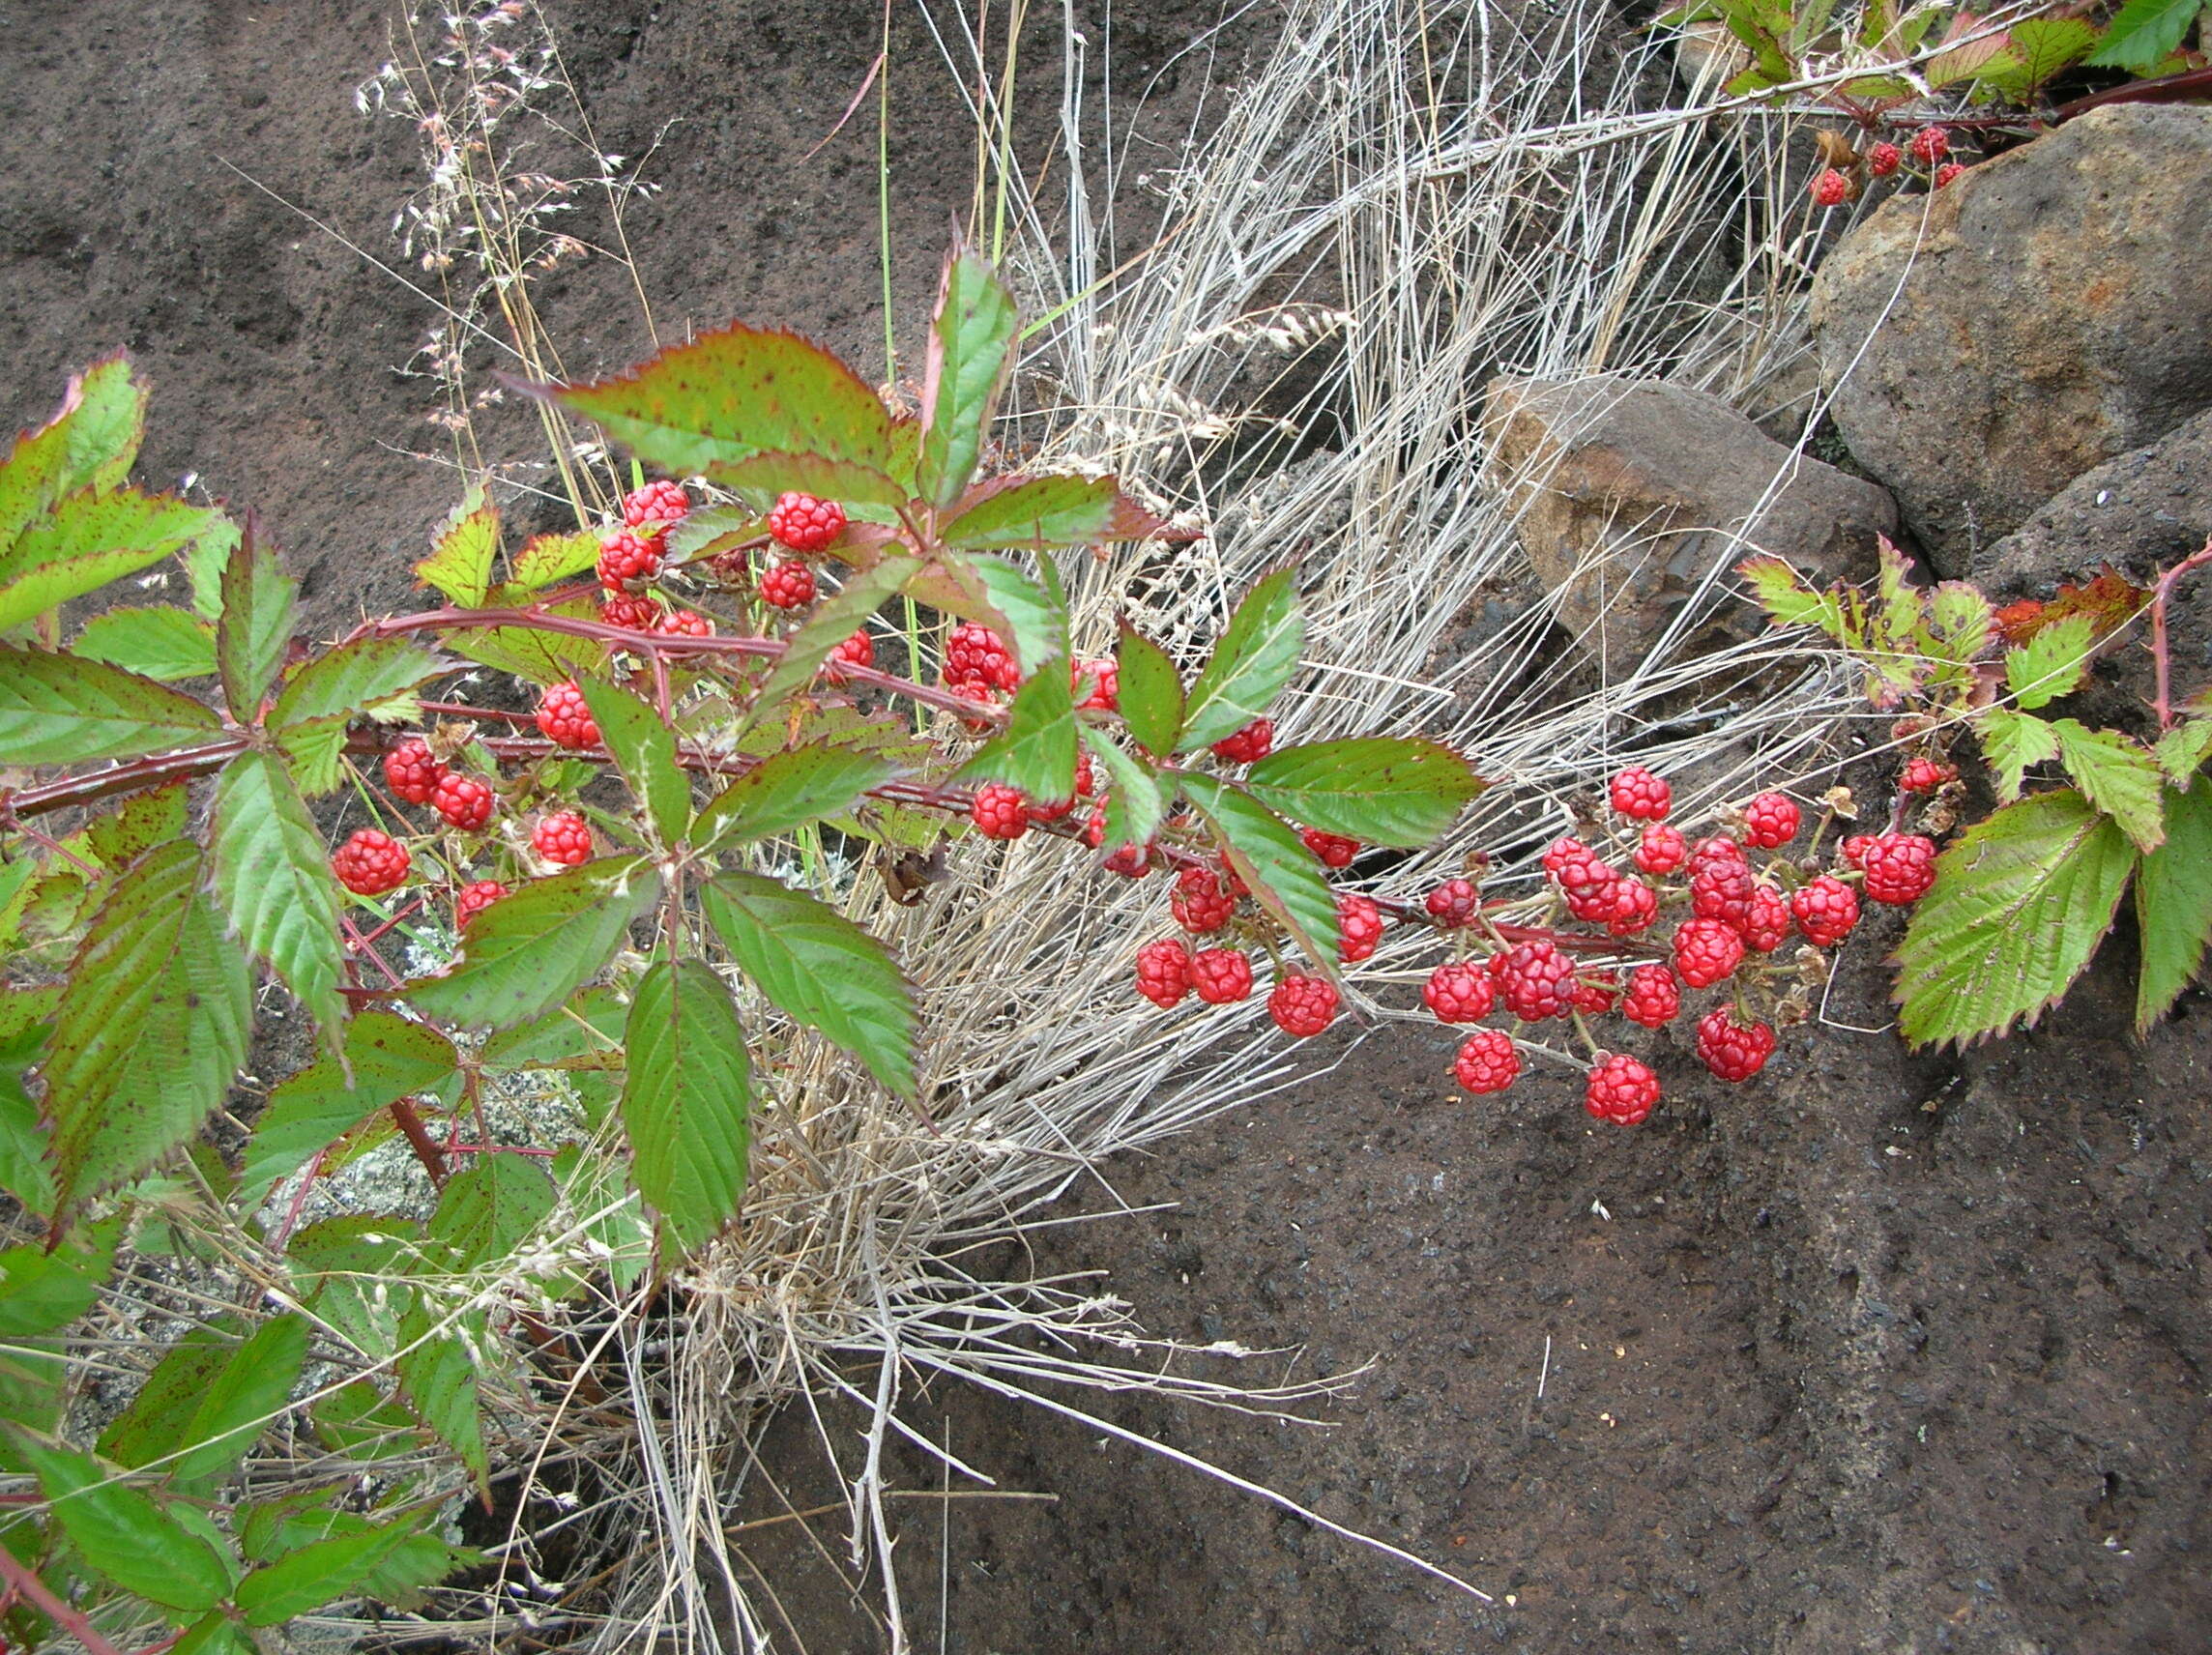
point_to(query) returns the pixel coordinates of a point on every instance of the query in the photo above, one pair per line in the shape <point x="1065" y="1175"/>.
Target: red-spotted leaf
<point x="686" y="1101"/>
<point x="61" y="709"/>
<point x="1151" y="691"/>
<point x="87" y="540"/>
<point x="528" y="951"/>
<point x="123" y="1535"/>
<point x="1256" y="657"/>
<point x="1268" y="854"/>
<point x="788" y="790"/>
<point x="165" y="644"/>
<point x="391" y="1057"/>
<point x="208" y="1398"/>
<point x="260" y="602"/>
<point x="467" y="547"/>
<point x="970" y="352"/>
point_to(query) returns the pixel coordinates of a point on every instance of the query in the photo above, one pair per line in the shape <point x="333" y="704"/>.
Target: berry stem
<point x="418" y="1140"/>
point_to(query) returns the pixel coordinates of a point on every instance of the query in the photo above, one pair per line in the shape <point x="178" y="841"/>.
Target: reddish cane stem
<point x="70" y="1620"/>
<point x="2161" y="660"/>
<point x="418" y="1140"/>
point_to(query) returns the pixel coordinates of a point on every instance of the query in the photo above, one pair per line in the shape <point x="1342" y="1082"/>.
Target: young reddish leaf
<point x="1255" y="658"/>
<point x="1037" y="511"/>
<point x="1267" y="853"/>
<point x="150" y="1030"/>
<point x="391" y="1057"/>
<point x="123" y="1535"/>
<point x="1036" y="751"/>
<point x="2118" y="778"/>
<point x="260" y="602"/>
<point x="88" y="539"/>
<point x="165" y="644"/>
<point x="971" y="352"/>
<point x="1384" y="790"/>
<point x="60" y="710"/>
<point x="818" y="967"/>
<point x="271" y="875"/>
<point x="486" y="1210"/>
<point x="644" y="750"/>
<point x="2019" y="904"/>
<point x="832" y="622"/>
<point x="1151" y="691"/>
<point x="141" y="822"/>
<point x="208" y="1400"/>
<point x="862" y="490"/>
<point x="531" y="951"/>
<point x="466" y="548"/>
<point x="550" y="558"/>
<point x="786" y="790"/>
<point x="686" y="1103"/>
<point x="727" y="396"/>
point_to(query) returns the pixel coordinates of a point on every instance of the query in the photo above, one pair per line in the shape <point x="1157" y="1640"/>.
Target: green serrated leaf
<point x="2117" y="776"/>
<point x="273" y="878"/>
<point x="149" y="1031"/>
<point x="543" y="657"/>
<point x="1036" y="751"/>
<point x="686" y="1102"/>
<point x="208" y="1400"/>
<point x="832" y="622"/>
<point x="1134" y="799"/>
<point x="23" y="1172"/>
<point x="1150" y="691"/>
<point x="1036" y="511"/>
<point x="42" y="1290"/>
<point x="349" y="1271"/>
<point x="2019" y="903"/>
<point x="1256" y="657"/>
<point x="1784" y="594"/>
<point x="971" y="352"/>
<point x="2051" y="665"/>
<point x="87" y="540"/>
<point x="787" y="791"/>
<point x="486" y="1210"/>
<point x="123" y="1535"/>
<point x="818" y="967"/>
<point x="551" y="558"/>
<point x="2173" y="903"/>
<point x="644" y="750"/>
<point x="361" y="680"/>
<point x="2180" y="752"/>
<point x="1267" y="853"/>
<point x="313" y="750"/>
<point x="607" y="1212"/>
<point x="1959" y="623"/>
<point x="2014" y="743"/>
<point x="320" y="1572"/>
<point x="865" y="493"/>
<point x="215" y="1634"/>
<point x="2041" y="48"/>
<point x="391" y="1058"/>
<point x="532" y="949"/>
<point x="727" y="396"/>
<point x="163" y="644"/>
<point x="143" y="821"/>
<point x="360" y="1422"/>
<point x="1382" y="790"/>
<point x="710" y="528"/>
<point x="589" y="1027"/>
<point x="60" y="710"/>
<point x="2143" y="33"/>
<point x="88" y="443"/>
<point x="260" y="602"/>
<point x="464" y="551"/>
<point x="437" y="1368"/>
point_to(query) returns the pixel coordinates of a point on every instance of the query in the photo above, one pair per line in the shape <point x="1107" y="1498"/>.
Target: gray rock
<point x="2053" y="308"/>
<point x="1629" y="493"/>
<point x="2145" y="510"/>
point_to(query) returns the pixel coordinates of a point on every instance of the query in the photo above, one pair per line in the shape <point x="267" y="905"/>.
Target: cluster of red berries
<point x="414" y="773"/>
<point x="1165" y="970"/>
<point x="632" y="552"/>
<point x="1929" y="146"/>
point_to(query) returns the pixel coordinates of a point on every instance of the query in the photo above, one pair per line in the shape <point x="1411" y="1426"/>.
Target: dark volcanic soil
<point x="1874" y="1353"/>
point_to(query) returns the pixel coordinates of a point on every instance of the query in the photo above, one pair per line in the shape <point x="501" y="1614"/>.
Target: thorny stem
<point x="418" y="1140"/>
<point x="2160" y="659"/>
<point x="22" y="1580"/>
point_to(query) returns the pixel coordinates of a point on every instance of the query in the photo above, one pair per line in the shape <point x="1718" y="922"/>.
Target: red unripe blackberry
<point x="1634" y="907"/>
<point x="631" y="611"/>
<point x="464" y="801"/>
<point x="683" y="623"/>
<point x="1558" y="852"/>
<point x="857" y="651"/>
<point x="1534" y="980"/>
<point x="1899" y="867"/>
<point x="999" y="811"/>
<point x="655" y="506"/>
<point x="1825" y="909"/>
<point x="1097" y="686"/>
<point x="1454" y="902"/>
<point x="565" y="717"/>
<point x="1488" y="1061"/>
<point x="1706" y="950"/>
<point x="1883" y="158"/>
<point x="1930" y="145"/>
<point x="1221" y="975"/>
<point x="1730" y="1049"/>
<point x="1722" y="890"/>
<point x="1636" y="793"/>
<point x="804" y="523"/>
<point x="1621" y="1089"/>
<point x="625" y="556"/>
<point x="1201" y="903"/>
<point x="475" y="898"/>
<point x="412" y="772"/>
<point x="1713" y="850"/>
<point x="788" y="585"/>
<point x="1358" y="927"/>
<point x="1248" y="745"/>
<point x="1595" y="994"/>
<point x="1458" y="991"/>
<point x="1334" y="850"/>
<point x="1948" y="171"/>
<point x="975" y="655"/>
<point x="370" y="864"/>
<point x="1582" y="872"/>
<point x="563" y="837"/>
<point x="1766" y="923"/>
<point x="1661" y="850"/>
<point x="1163" y="971"/>
<point x="1654" y="996"/>
<point x="1302" y="1006"/>
<point x="1771" y="820"/>
<point x="1925" y="775"/>
<point x="1831" y="189"/>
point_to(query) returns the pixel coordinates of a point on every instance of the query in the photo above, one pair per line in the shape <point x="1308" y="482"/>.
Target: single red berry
<point x="563" y="837"/>
<point x="1722" y="890"/>
<point x="1621" y="1089"/>
<point x="629" y="610"/>
<point x="999" y="811"/>
<point x="1248" y="745"/>
<point x="655" y="506"/>
<point x="1094" y="830"/>
<point x="1654" y="996"/>
<point x="1589" y="883"/>
<point x="788" y="585"/>
<point x="1883" y="158"/>
<point x="625" y="556"/>
<point x="565" y="717"/>
<point x="1899" y="867"/>
<point x="1661" y="850"/>
<point x="1334" y="850"/>
<point x="1930" y="145"/>
<point x="1766" y="923"/>
<point x="1853" y="849"/>
<point x="975" y="655"/>
<point x="464" y="801"/>
<point x="1638" y="794"/>
<point x="683" y="623"/>
<point x="1949" y="170"/>
<point x="1103" y="692"/>
<point x="1831" y="189"/>
<point x="1712" y="852"/>
<point x="1220" y="975"/>
<point x="1595" y="994"/>
<point x="1825" y="909"/>
<point x="475" y="898"/>
<point x="1634" y="907"/>
<point x="412" y="772"/>
<point x="1561" y="852"/>
<point x="1302" y="1006"/>
<point x="1455" y="903"/>
<point x="804" y="523"/>
<point x="1163" y="971"/>
<point x="1730" y="1050"/>
<point x="1534" y="980"/>
<point x="857" y="651"/>
<point x="1131" y="862"/>
<point x="1770" y="820"/>
<point x="1358" y="927"/>
<point x="1926" y="776"/>
<point x="370" y="864"/>
<point x="1488" y="1061"/>
<point x="1706" y="950"/>
<point x="1201" y="903"/>
<point x="1458" y="991"/>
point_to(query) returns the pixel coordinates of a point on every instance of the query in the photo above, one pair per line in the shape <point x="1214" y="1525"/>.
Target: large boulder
<point x="1629" y="494"/>
<point x="2051" y="308"/>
